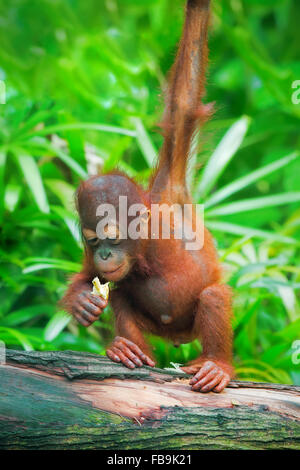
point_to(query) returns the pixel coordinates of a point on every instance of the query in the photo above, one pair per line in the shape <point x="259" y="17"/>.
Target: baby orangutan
<point x="161" y="287"/>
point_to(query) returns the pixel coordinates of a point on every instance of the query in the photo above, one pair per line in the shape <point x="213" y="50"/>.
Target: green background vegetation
<point x="83" y="79"/>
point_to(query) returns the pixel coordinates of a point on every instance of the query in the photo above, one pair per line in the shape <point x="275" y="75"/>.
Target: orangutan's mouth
<point x="109" y="273"/>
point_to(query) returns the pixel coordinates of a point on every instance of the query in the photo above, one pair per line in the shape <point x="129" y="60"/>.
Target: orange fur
<point x="169" y="291"/>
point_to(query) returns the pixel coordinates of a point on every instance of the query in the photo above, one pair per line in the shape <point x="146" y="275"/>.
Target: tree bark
<point x="70" y="400"/>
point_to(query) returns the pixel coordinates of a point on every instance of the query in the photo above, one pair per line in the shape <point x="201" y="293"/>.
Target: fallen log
<point x="71" y="400"/>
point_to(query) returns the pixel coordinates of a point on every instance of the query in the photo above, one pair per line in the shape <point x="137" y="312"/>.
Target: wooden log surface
<point x="71" y="400"/>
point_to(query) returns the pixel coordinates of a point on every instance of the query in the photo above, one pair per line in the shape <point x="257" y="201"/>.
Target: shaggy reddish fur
<point x="169" y="291"/>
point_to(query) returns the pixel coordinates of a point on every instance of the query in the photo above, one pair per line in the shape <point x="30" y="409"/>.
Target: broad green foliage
<point x="82" y="86"/>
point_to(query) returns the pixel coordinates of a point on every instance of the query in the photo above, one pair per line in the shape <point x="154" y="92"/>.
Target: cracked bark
<point x="70" y="400"/>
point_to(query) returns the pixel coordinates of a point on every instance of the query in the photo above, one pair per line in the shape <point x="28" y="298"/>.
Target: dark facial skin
<point x="110" y="255"/>
<point x="113" y="255"/>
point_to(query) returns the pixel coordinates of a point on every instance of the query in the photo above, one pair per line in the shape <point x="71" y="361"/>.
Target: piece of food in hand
<point x="100" y="289"/>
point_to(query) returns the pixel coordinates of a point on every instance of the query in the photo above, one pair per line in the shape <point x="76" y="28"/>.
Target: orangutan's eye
<point x="93" y="241"/>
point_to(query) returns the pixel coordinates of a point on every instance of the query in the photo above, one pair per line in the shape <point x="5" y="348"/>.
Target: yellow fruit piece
<point x="100" y="289"/>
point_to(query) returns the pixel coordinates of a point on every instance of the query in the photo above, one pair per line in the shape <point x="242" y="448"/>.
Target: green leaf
<point x="249" y="231"/>
<point x="144" y="142"/>
<point x="64" y="191"/>
<point x="38" y="117"/>
<point x="275" y="79"/>
<point x="243" y="319"/>
<point x="291" y="331"/>
<point x="49" y="263"/>
<point x="17" y="335"/>
<point x="262" y="369"/>
<point x="63" y="156"/>
<point x="271" y="282"/>
<point x="34" y="181"/>
<point x="57" y="323"/>
<point x="222" y="155"/>
<point x="2" y="189"/>
<point x="254" y="204"/>
<point x="70" y="220"/>
<point x="90" y="126"/>
<point x="244" y="181"/>
<point x="27" y="313"/>
<point x="253" y="374"/>
<point x="255" y="270"/>
<point x="12" y="196"/>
